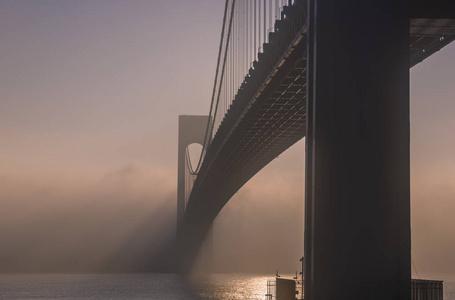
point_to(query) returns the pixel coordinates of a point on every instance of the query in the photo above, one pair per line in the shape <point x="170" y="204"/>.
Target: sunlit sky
<point x="90" y="93"/>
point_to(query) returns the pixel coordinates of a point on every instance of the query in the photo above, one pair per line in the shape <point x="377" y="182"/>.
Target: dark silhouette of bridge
<point x="337" y="73"/>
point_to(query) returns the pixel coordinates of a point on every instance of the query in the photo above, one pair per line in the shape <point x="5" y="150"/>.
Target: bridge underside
<point x="268" y="116"/>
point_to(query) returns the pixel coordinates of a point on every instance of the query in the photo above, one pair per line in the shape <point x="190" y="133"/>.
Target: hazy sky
<point x="90" y="93"/>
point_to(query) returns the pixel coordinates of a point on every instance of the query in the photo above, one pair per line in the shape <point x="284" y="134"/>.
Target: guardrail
<point x="426" y="289"/>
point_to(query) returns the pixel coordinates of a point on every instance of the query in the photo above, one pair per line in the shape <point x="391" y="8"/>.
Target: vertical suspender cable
<point x="250" y="32"/>
<point x="230" y="70"/>
<point x="241" y="47"/>
<point x="225" y="57"/>
<point x="228" y="83"/>
<point x="236" y="32"/>
<point x="234" y="52"/>
<point x="206" y="138"/>
<point x="277" y="8"/>
<point x="259" y="25"/>
<point x="265" y="22"/>
<point x="224" y="92"/>
<point x="238" y="47"/>
<point x="251" y="17"/>
<point x="255" y="30"/>
<point x="270" y="14"/>
<point x="253" y="41"/>
<point x="246" y="37"/>
<point x="232" y="61"/>
<point x="242" y="41"/>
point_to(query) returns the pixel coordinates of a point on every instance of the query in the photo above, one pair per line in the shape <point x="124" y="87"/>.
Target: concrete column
<point x="357" y="204"/>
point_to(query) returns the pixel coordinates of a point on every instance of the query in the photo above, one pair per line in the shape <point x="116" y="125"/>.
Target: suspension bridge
<point x="337" y="73"/>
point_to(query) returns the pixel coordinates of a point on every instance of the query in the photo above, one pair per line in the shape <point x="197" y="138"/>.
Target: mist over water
<point x="122" y="221"/>
<point x="96" y="286"/>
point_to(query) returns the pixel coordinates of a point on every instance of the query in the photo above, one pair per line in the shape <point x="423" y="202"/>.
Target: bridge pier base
<point x="357" y="203"/>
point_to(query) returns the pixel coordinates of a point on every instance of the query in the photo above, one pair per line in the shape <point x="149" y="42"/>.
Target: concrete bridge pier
<point x="357" y="204"/>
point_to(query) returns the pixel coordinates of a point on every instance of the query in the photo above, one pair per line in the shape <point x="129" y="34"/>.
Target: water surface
<point x="151" y="286"/>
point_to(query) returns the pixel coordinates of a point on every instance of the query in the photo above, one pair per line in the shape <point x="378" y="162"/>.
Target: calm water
<point x="131" y="286"/>
<point x="149" y="286"/>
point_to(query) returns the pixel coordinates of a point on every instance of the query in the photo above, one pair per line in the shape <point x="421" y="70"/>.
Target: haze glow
<point x="90" y="93"/>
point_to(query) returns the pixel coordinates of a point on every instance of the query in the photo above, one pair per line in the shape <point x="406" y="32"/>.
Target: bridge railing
<point x="426" y="289"/>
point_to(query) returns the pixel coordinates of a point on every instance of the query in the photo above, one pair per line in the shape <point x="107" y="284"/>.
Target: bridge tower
<point x="357" y="220"/>
<point x="192" y="129"/>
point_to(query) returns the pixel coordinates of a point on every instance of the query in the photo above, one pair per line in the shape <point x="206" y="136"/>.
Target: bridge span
<point x="339" y="60"/>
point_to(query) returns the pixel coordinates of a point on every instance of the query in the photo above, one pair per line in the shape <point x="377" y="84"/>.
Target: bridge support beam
<point x="357" y="204"/>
